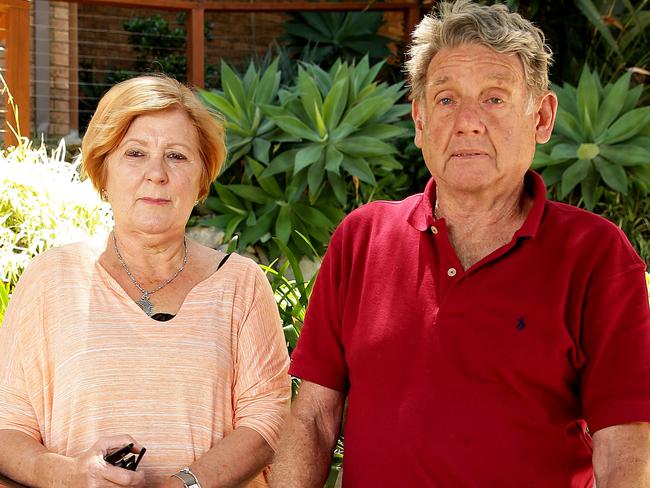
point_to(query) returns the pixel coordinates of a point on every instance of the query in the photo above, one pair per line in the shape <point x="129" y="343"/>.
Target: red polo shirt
<point x="484" y="377"/>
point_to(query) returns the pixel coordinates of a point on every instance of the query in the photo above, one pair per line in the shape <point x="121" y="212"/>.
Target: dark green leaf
<point x="269" y="84"/>
<point x="627" y="126"/>
<point x="573" y="175"/>
<point x="233" y="88"/>
<point x="588" y="188"/>
<point x="359" y="167"/>
<point x="310" y="96"/>
<point x="333" y="158"/>
<point x="283" y="224"/>
<point x="383" y="131"/>
<point x="315" y="175"/>
<point x="334" y="104"/>
<point x="338" y="186"/>
<point x="281" y="163"/>
<point x="612" y="174"/>
<point x="632" y="98"/>
<point x="296" y="127"/>
<point x="307" y="155"/>
<point x="312" y="217"/>
<point x="553" y="174"/>
<point x="364" y="147"/>
<point x="568" y="126"/>
<point x="625" y="154"/>
<point x="261" y="148"/>
<point x="250" y="193"/>
<point x="612" y="104"/>
<point x="562" y="152"/>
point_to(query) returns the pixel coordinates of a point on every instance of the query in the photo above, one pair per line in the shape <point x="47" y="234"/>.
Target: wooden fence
<point x="14" y="36"/>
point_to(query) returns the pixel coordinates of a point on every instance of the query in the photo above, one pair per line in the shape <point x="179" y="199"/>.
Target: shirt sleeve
<point x="615" y="382"/>
<point x="262" y="389"/>
<point x="319" y="356"/>
<point x="17" y="371"/>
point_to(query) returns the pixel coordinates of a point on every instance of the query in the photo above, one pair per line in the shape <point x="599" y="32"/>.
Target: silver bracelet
<point x="188" y="478"/>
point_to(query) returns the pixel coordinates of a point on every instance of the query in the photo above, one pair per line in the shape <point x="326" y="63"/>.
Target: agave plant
<point x="303" y="152"/>
<point x="344" y="120"/>
<point x="599" y="136"/>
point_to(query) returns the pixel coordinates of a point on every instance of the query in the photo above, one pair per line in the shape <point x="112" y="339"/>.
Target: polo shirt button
<point x="434" y="229"/>
<point x="451" y="272"/>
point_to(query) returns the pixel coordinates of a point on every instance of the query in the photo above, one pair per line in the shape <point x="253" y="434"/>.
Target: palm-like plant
<point x="599" y="136"/>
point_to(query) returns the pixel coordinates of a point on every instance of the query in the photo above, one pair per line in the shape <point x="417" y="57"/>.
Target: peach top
<point x="80" y="360"/>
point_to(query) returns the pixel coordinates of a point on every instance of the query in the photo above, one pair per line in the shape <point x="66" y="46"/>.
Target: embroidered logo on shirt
<point x="521" y="323"/>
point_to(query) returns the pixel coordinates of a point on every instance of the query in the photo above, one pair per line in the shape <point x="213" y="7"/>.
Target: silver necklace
<point x="144" y="302"/>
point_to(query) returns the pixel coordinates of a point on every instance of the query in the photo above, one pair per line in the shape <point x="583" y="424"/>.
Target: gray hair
<point x="464" y="22"/>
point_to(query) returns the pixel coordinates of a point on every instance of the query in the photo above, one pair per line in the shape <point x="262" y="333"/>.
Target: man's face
<point x="477" y="124"/>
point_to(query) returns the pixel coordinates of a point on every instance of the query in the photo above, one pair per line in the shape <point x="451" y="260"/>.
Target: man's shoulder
<point x="583" y="231"/>
<point x="386" y="212"/>
<point x="562" y="216"/>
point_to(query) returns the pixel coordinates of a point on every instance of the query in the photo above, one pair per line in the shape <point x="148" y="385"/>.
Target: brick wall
<point x="59" y="69"/>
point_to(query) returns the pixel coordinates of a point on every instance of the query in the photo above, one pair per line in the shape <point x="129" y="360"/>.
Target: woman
<point x="144" y="337"/>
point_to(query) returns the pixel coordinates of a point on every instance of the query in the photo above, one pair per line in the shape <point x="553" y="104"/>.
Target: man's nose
<point x="469" y="118"/>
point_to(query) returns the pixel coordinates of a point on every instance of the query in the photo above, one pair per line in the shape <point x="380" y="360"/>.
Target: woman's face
<point x="153" y="175"/>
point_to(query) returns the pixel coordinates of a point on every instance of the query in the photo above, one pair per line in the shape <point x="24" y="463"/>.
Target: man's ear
<point x="417" y="119"/>
<point x="546" y="112"/>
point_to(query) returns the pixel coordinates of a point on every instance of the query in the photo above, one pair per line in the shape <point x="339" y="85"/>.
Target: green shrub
<point x="43" y="203"/>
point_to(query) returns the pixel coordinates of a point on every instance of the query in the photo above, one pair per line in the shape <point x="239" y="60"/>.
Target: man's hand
<point x="91" y="471"/>
<point x="308" y="439"/>
<point x="622" y="456"/>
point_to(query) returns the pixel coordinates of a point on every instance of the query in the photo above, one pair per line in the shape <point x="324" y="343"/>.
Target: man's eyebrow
<point x="507" y="77"/>
<point x="439" y="81"/>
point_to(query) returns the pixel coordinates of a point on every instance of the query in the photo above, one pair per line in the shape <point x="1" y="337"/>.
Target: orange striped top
<point x="80" y="360"/>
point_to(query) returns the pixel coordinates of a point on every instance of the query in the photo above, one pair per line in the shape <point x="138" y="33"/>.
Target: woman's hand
<point x="91" y="471"/>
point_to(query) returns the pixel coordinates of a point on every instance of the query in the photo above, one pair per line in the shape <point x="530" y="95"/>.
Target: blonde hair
<point x="464" y="22"/>
<point x="144" y="95"/>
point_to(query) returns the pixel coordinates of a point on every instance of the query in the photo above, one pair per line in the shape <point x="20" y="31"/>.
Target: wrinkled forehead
<point x="468" y="63"/>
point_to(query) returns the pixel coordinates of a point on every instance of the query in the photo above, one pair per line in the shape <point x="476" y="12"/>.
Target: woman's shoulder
<point x="68" y="259"/>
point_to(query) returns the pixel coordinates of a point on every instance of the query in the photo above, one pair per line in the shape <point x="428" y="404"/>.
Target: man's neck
<point x="479" y="225"/>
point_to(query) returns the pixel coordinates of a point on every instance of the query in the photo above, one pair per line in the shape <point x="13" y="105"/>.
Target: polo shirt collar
<point x="421" y="215"/>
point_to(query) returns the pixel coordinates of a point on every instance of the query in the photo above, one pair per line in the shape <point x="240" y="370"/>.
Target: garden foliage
<point x="43" y="203"/>
<point x="329" y="36"/>
<point x="601" y="139"/>
<point x="302" y="155"/>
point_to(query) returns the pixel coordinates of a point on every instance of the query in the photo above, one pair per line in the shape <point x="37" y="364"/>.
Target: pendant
<point x="145" y="304"/>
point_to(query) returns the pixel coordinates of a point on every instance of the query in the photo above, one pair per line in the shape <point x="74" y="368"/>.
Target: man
<point x="483" y="336"/>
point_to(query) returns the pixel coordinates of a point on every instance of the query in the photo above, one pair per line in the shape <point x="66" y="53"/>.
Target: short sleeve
<point x="319" y="356"/>
<point x="16" y="373"/>
<point x="262" y="388"/>
<point x="615" y="383"/>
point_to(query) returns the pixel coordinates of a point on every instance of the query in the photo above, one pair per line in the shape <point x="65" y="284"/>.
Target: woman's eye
<point x="176" y="155"/>
<point x="495" y="100"/>
<point x="133" y="153"/>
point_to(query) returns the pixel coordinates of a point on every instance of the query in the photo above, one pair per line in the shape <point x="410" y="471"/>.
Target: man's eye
<point x="445" y="101"/>
<point x="495" y="100"/>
